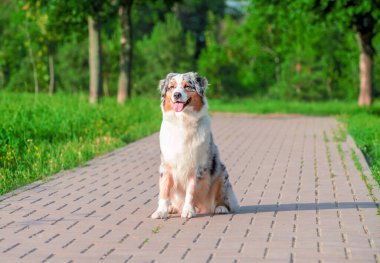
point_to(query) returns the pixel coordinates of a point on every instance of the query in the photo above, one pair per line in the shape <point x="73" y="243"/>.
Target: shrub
<point x="166" y="49"/>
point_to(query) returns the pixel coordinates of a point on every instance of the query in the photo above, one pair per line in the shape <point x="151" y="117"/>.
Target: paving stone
<point x="302" y="200"/>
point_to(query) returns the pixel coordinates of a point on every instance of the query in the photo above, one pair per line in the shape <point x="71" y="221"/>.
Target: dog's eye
<point x="171" y="87"/>
<point x="189" y="88"/>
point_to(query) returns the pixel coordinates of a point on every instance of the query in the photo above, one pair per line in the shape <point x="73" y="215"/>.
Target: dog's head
<point x="183" y="92"/>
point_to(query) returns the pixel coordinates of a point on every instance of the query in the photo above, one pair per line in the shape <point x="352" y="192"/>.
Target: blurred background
<point x="299" y="50"/>
<point x="80" y="78"/>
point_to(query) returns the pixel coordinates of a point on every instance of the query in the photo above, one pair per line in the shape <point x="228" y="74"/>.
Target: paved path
<point x="302" y="200"/>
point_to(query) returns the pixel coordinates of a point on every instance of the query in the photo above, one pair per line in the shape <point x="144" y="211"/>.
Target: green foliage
<point x="167" y="49"/>
<point x="233" y="59"/>
<point x="146" y="14"/>
<point x="72" y="66"/>
<point x="111" y="56"/>
<point x="349" y="13"/>
<point x="304" y="50"/>
<point x="280" y="53"/>
<point x="42" y="135"/>
<point x="15" y="62"/>
<point x="214" y="61"/>
<point x="11" y="42"/>
<point x="376" y="62"/>
<point x="193" y="17"/>
<point x="365" y="128"/>
<point x="262" y="106"/>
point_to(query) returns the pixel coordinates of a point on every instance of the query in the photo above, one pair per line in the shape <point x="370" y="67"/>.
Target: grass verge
<point x="43" y="135"/>
<point x="263" y="106"/>
<point x="365" y="129"/>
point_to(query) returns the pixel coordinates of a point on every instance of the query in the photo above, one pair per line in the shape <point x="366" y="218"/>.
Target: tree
<point x="28" y="18"/>
<point x="73" y="14"/>
<point x="95" y="11"/>
<point x="277" y="50"/>
<point x="57" y="18"/>
<point x="126" y="41"/>
<point x="40" y="13"/>
<point x="156" y="10"/>
<point x="95" y="59"/>
<point x="167" y="49"/>
<point x="363" y="17"/>
<point x="193" y="15"/>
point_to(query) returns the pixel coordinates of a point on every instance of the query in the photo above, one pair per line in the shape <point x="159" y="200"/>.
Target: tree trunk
<point x="365" y="97"/>
<point x="51" y="69"/>
<point x="124" y="83"/>
<point x="95" y="59"/>
<point x="106" y="92"/>
<point x="365" y="65"/>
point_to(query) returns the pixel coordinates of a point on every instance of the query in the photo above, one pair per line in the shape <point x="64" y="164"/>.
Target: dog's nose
<point x="177" y="95"/>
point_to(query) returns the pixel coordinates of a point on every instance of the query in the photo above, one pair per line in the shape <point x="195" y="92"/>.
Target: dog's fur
<point x="192" y="177"/>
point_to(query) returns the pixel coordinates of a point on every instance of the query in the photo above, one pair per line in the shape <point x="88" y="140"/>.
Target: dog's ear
<point x="161" y="86"/>
<point x="202" y="84"/>
<point x="164" y="83"/>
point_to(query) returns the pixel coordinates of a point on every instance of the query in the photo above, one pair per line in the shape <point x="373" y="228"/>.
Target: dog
<point x="193" y="180"/>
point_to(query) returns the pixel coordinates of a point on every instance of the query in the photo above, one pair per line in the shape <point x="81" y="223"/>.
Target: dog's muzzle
<point x="180" y="105"/>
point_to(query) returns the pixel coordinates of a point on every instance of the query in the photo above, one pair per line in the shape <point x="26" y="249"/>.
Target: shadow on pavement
<point x="303" y="206"/>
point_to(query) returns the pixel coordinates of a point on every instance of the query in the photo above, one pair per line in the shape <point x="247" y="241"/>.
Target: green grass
<point x="42" y="135"/>
<point x="263" y="106"/>
<point x="365" y="129"/>
<point x="39" y="137"/>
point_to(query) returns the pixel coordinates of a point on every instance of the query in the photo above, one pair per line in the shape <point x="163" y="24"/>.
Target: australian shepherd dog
<point x="193" y="180"/>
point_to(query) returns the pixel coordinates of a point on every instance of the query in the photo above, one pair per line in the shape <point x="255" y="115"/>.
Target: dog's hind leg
<point x="217" y="197"/>
<point x="230" y="199"/>
<point x="221" y="210"/>
<point x="230" y="204"/>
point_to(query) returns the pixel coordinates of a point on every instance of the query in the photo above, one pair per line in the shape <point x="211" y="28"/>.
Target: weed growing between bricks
<point x="359" y="167"/>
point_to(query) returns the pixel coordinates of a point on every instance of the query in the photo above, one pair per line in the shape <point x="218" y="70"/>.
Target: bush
<point x="266" y="54"/>
<point x="167" y="49"/>
<point x="71" y="66"/>
<point x="233" y="60"/>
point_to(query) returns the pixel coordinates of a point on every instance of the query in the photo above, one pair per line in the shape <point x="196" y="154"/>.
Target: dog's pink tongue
<point x="178" y="106"/>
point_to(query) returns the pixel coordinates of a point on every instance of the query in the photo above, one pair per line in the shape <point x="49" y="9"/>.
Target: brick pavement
<point x="302" y="200"/>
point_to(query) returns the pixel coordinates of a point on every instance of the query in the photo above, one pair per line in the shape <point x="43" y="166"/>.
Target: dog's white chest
<point x="183" y="147"/>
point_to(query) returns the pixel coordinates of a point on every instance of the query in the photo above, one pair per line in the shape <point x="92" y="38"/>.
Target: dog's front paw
<point x="221" y="210"/>
<point x="162" y="210"/>
<point x="188" y="211"/>
<point x="160" y="214"/>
